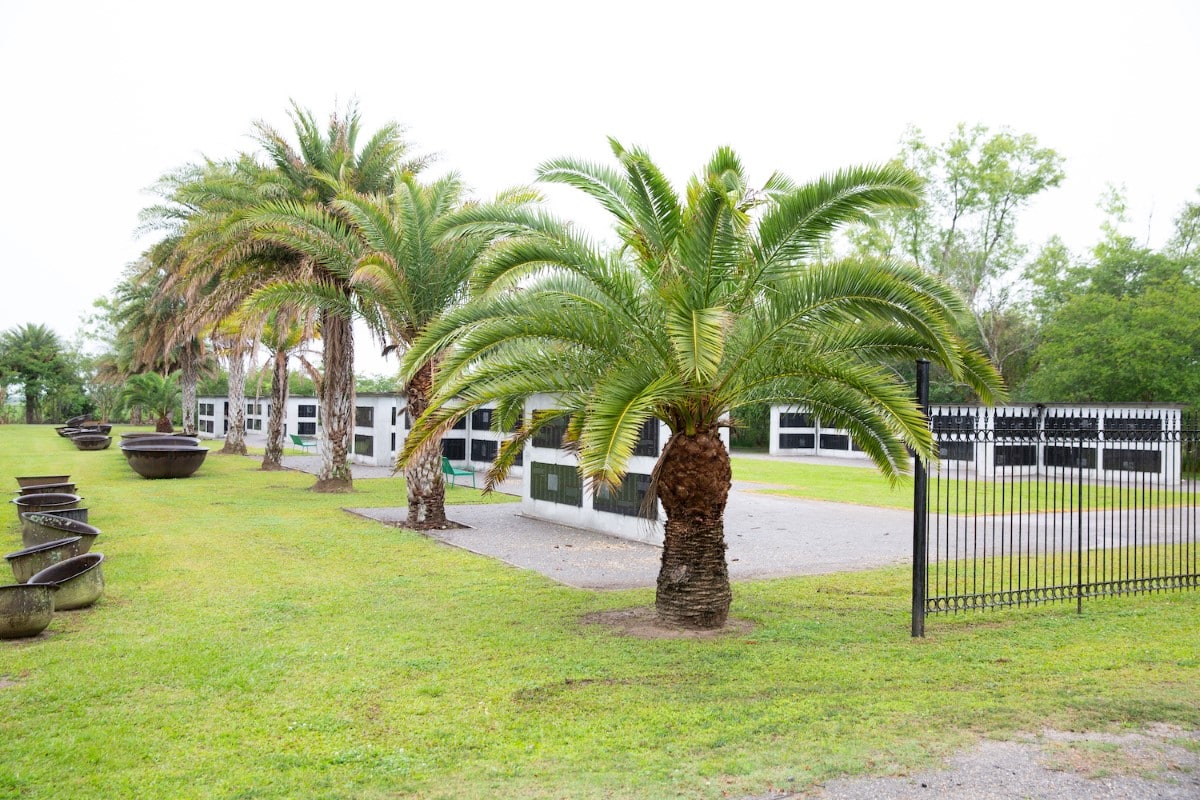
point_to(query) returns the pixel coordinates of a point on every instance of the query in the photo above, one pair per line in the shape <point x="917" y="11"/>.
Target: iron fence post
<point x="920" y="504"/>
<point x="1079" y="518"/>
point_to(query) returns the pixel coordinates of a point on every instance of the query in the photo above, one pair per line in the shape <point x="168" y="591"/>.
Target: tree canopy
<point x="1121" y="325"/>
<point x="32" y="356"/>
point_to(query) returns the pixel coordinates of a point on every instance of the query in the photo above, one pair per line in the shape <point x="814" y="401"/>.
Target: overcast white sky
<point x="99" y="99"/>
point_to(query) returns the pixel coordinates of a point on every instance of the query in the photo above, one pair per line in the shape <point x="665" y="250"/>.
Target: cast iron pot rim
<point x="163" y="448"/>
<point x="46" y="546"/>
<point x="21" y="492"/>
<point x="59" y="523"/>
<point x="96" y="558"/>
<point x="61" y="513"/>
<point x="27" y="498"/>
<point x="53" y="587"/>
<point x="19" y="478"/>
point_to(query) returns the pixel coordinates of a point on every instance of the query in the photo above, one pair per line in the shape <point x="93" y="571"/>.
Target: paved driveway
<point x="768" y="536"/>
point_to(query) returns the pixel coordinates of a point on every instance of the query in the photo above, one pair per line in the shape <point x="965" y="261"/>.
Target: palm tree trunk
<point x="693" y="485"/>
<point x="235" y="437"/>
<point x="337" y="404"/>
<point x="31" y="405"/>
<point x="423" y="473"/>
<point x="273" y="457"/>
<point x="188" y="383"/>
<point x="426" y="488"/>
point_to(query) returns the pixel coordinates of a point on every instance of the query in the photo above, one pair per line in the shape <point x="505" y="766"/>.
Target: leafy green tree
<point x="1121" y="326"/>
<point x="374" y="383"/>
<point x="978" y="183"/>
<point x="68" y="394"/>
<point x="1142" y="347"/>
<point x="1186" y="240"/>
<point x="711" y="304"/>
<point x="158" y="394"/>
<point x="33" y="356"/>
<point x="751" y="427"/>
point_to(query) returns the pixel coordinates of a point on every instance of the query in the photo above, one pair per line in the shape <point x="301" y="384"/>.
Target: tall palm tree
<point x="152" y="332"/>
<point x="407" y="277"/>
<point x="173" y="333"/>
<point x="229" y="340"/>
<point x="714" y="302"/>
<point x="320" y="167"/>
<point x="222" y="263"/>
<point x="283" y="333"/>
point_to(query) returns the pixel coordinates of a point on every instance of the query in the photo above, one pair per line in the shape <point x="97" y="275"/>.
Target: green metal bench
<point x="447" y="469"/>
<point x="302" y="444"/>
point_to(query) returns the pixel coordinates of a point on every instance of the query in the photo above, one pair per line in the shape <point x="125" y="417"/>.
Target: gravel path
<point x="1162" y="763"/>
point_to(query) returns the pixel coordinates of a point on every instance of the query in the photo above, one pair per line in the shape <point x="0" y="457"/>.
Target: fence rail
<point x="1048" y="505"/>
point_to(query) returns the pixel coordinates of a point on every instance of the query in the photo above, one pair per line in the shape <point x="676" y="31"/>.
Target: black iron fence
<point x="1038" y="504"/>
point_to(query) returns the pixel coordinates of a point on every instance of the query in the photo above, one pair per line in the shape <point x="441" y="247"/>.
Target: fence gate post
<point x="920" y="499"/>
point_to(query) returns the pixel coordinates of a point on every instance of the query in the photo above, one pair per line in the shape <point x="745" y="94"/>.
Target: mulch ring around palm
<point x="643" y="622"/>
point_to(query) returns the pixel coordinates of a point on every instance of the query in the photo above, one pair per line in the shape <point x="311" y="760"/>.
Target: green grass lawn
<point x="866" y="486"/>
<point x="255" y="641"/>
<point x="861" y="485"/>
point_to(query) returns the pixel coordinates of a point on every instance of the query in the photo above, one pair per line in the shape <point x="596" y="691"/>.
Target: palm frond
<point x="804" y="218"/>
<point x="603" y="184"/>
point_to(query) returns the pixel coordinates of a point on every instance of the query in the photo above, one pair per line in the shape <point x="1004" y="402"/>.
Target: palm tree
<point x="152" y="333"/>
<point x="178" y="331"/>
<point x="283" y="333"/>
<point x="221" y="263"/>
<point x="713" y="302"/>
<point x="32" y="355"/>
<point x="229" y="339"/>
<point x="157" y="394"/>
<point x="322" y="166"/>
<point x="407" y="277"/>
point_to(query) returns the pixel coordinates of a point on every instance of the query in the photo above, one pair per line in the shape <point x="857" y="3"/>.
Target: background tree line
<point x="1115" y="323"/>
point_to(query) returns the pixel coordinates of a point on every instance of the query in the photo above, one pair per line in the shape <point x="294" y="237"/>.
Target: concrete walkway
<point x="768" y="536"/>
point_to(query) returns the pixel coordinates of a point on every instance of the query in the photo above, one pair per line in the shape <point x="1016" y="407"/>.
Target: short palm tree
<point x="398" y="277"/>
<point x="714" y="301"/>
<point x="155" y="393"/>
